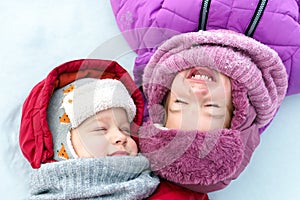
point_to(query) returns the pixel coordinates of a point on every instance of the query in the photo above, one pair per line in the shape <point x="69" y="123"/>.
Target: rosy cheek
<point x="174" y="120"/>
<point x="133" y="148"/>
<point x="96" y="146"/>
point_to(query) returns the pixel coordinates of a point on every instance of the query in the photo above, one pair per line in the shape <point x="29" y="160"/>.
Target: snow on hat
<point x="259" y="84"/>
<point x="71" y="105"/>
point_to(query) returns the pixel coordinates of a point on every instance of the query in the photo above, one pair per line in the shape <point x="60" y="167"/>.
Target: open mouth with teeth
<point x="202" y="74"/>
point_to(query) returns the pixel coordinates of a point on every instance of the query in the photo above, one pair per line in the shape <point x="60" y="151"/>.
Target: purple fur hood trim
<point x="192" y="157"/>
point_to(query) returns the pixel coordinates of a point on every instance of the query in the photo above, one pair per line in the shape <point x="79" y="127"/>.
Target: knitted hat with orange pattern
<point x="79" y="100"/>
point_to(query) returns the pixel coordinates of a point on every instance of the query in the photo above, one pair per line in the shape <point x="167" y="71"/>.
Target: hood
<point x="35" y="136"/>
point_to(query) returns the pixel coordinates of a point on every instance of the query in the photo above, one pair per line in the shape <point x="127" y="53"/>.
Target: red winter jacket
<point x="169" y="191"/>
<point x="35" y="137"/>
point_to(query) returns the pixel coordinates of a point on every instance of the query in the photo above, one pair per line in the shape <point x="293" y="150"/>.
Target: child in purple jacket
<point x="145" y="25"/>
<point x="210" y="95"/>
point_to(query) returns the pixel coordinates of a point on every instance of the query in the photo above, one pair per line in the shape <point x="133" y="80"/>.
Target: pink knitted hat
<point x="208" y="161"/>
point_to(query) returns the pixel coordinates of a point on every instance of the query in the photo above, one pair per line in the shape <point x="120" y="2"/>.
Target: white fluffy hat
<point x="100" y="94"/>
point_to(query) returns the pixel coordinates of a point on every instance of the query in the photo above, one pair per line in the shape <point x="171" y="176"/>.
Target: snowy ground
<point x="39" y="35"/>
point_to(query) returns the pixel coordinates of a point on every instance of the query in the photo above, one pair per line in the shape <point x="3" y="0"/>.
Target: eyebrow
<point x="173" y="111"/>
<point x="95" y="120"/>
<point x="217" y="116"/>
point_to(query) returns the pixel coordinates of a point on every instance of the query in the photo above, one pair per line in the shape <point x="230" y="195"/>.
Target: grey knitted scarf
<point x="120" y="177"/>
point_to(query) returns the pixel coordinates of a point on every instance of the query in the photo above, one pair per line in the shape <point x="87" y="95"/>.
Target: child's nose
<point x="200" y="91"/>
<point x="118" y="138"/>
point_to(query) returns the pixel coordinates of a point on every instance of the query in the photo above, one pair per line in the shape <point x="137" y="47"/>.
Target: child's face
<point x="200" y="99"/>
<point x="105" y="134"/>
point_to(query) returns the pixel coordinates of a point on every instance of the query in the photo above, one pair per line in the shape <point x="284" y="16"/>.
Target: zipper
<point x="256" y="17"/>
<point x="204" y="14"/>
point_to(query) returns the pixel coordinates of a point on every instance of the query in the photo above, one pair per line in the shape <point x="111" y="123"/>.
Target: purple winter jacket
<point x="275" y="23"/>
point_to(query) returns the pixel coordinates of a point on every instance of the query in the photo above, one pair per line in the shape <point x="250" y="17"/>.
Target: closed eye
<point x="180" y="101"/>
<point x="99" y="131"/>
<point x="212" y="105"/>
<point x="126" y="131"/>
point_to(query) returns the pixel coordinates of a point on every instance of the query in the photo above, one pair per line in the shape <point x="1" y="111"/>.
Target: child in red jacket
<point x="82" y="115"/>
<point x="85" y="114"/>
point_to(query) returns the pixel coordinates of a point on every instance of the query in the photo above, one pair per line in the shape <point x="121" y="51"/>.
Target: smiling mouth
<point x="201" y="74"/>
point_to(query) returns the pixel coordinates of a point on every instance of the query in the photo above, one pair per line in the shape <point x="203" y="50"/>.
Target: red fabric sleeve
<point x="167" y="191"/>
